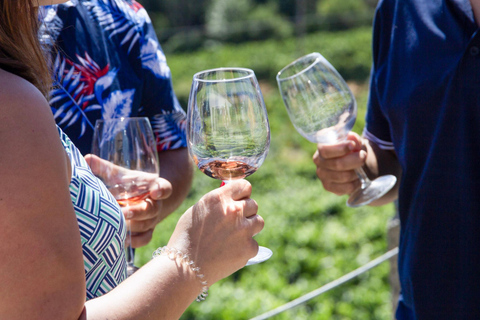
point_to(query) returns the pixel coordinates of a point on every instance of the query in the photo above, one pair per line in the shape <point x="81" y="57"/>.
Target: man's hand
<point x="336" y="164"/>
<point x="143" y="215"/>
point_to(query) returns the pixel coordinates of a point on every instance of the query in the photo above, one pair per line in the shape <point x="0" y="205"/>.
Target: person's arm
<point x="336" y="164"/>
<point x="216" y="233"/>
<point x="42" y="271"/>
<point x="175" y="167"/>
<point x="381" y="162"/>
<point x="41" y="268"/>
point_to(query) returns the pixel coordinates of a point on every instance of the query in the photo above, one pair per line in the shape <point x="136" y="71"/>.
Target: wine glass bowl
<point x="129" y="166"/>
<point x="228" y="133"/>
<point x="323" y="109"/>
<point x="319" y="103"/>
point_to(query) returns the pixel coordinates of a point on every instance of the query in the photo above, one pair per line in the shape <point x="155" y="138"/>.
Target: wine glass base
<point x="375" y="190"/>
<point x="263" y="255"/>
<point x="131" y="270"/>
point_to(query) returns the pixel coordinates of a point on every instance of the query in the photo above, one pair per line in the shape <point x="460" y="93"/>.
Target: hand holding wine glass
<point x="129" y="146"/>
<point x="228" y="131"/>
<point x="323" y="109"/>
<point x="143" y="215"/>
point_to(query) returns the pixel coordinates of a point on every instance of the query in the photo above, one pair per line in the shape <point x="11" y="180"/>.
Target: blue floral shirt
<point x="108" y="63"/>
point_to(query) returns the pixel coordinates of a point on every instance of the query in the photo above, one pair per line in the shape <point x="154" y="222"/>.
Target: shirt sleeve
<point x="377" y="127"/>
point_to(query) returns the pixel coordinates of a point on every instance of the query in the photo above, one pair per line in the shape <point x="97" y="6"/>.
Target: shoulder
<point x="26" y="120"/>
<point x="20" y="97"/>
<point x="16" y="91"/>
<point x="27" y="128"/>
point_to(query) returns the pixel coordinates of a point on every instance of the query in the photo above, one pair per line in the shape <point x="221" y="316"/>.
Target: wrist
<point x="184" y="261"/>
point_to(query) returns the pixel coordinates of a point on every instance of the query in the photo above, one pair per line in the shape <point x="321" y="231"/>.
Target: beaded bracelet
<point x="173" y="254"/>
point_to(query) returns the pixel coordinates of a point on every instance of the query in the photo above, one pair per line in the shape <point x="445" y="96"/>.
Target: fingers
<point x="356" y="139"/>
<point x="341" y="188"/>
<point x="237" y="189"/>
<point x="336" y="164"/>
<point x="143" y="210"/>
<point x="256" y="224"/>
<point x="247" y="210"/>
<point x="342" y="179"/>
<point x="140" y="239"/>
<point x="353" y="143"/>
<point x="252" y="249"/>
<point x="349" y="161"/>
<point x="161" y="189"/>
<point x="325" y="152"/>
<point x="244" y="208"/>
<point x="143" y="225"/>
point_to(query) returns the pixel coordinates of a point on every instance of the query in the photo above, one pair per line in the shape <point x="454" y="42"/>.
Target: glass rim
<point x="121" y="119"/>
<point x="250" y="74"/>
<point x="319" y="57"/>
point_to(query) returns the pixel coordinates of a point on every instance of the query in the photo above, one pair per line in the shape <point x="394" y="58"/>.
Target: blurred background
<point x="314" y="236"/>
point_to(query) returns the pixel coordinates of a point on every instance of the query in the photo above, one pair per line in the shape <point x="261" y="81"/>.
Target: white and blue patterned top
<point x="101" y="223"/>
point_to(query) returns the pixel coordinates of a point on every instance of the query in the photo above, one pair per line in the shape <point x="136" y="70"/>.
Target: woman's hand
<point x="218" y="231"/>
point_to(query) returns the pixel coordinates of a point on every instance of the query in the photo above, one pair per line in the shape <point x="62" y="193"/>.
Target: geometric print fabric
<point x="101" y="223"/>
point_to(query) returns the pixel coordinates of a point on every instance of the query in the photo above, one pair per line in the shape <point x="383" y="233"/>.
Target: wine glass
<point x="323" y="110"/>
<point x="128" y="144"/>
<point x="228" y="131"/>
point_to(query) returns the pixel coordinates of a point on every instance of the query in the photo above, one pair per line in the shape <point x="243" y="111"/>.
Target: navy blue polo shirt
<point x="425" y="104"/>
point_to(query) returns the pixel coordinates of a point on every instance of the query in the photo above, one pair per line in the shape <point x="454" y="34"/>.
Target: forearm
<point x="162" y="289"/>
<point x="176" y="167"/>
<point x="381" y="162"/>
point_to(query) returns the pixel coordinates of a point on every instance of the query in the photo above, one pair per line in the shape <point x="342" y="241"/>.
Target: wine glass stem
<point x="363" y="177"/>
<point x="130" y="252"/>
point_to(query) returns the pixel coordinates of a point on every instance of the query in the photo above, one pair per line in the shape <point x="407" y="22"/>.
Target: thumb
<point x="356" y="139"/>
<point x="101" y="167"/>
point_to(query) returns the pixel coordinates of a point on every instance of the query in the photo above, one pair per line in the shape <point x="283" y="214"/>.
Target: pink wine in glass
<point x="130" y="193"/>
<point x="124" y="200"/>
<point x="227" y="169"/>
<point x="228" y="134"/>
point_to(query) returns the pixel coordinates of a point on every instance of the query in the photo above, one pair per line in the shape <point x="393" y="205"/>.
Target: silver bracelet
<point x="174" y="254"/>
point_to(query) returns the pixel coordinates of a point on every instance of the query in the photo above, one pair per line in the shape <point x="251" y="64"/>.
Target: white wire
<point x="329" y="286"/>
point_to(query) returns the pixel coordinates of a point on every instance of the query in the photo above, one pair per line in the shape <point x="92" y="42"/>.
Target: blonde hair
<point x="20" y="50"/>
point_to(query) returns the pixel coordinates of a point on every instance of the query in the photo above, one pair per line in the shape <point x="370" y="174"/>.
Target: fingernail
<point x="157" y="193"/>
<point x="129" y="215"/>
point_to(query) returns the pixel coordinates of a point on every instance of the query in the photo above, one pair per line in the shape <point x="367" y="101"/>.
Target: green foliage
<point x="314" y="236"/>
<point x="349" y="51"/>
<point x="292" y="8"/>
<point x="222" y="13"/>
<point x="239" y="21"/>
<point x="184" y="25"/>
<point x="344" y="14"/>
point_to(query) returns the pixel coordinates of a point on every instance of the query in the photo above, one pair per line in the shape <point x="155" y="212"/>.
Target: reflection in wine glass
<point x="323" y="109"/>
<point x="129" y="146"/>
<point x="228" y="131"/>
